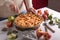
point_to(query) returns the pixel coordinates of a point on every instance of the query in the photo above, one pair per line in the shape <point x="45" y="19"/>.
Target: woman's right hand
<point x="32" y="10"/>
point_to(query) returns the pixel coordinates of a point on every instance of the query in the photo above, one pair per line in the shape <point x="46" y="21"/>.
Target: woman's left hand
<point x="14" y="8"/>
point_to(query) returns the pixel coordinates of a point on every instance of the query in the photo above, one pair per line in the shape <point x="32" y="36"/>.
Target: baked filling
<point x="28" y="20"/>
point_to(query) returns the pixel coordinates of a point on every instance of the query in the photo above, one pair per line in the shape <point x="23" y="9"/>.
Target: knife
<point x="49" y="28"/>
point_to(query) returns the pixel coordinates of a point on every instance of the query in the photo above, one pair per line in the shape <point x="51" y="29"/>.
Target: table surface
<point x="55" y="36"/>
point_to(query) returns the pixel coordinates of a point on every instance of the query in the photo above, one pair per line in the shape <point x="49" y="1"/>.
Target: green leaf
<point x="15" y="31"/>
<point x="50" y="17"/>
<point x="51" y="22"/>
<point x="9" y="33"/>
<point x="4" y="29"/>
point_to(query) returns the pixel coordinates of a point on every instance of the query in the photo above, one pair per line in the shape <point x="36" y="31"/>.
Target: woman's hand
<point x="31" y="10"/>
<point x="14" y="8"/>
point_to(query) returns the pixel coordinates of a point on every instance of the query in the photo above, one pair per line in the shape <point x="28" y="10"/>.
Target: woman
<point x="14" y="7"/>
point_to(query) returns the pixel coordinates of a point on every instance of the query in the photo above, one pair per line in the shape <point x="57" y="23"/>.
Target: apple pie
<point x="28" y="20"/>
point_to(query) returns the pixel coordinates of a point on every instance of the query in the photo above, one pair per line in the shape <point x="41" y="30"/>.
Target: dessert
<point x="28" y="20"/>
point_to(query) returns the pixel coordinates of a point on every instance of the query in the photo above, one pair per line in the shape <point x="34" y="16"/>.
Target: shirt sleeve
<point x="29" y="3"/>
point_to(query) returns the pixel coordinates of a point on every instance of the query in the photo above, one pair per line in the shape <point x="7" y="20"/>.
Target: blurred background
<point x="53" y="4"/>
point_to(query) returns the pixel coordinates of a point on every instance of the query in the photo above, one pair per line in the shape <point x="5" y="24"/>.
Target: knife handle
<point x="49" y="28"/>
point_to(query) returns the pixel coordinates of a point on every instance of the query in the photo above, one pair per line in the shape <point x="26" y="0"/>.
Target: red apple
<point x="39" y="33"/>
<point x="44" y="16"/>
<point x="46" y="12"/>
<point x="39" y="12"/>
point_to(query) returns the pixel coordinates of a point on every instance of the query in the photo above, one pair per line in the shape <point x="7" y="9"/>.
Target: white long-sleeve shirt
<point x="5" y="11"/>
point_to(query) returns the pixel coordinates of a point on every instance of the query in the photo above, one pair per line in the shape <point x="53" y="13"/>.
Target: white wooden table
<point x="55" y="36"/>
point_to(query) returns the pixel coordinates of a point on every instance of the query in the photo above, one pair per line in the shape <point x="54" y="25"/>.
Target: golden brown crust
<point x="28" y="20"/>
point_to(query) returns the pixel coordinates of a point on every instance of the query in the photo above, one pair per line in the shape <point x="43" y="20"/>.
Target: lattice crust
<point x="28" y="20"/>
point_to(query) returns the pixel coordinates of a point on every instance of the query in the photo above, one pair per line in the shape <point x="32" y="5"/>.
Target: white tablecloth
<point x="55" y="36"/>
